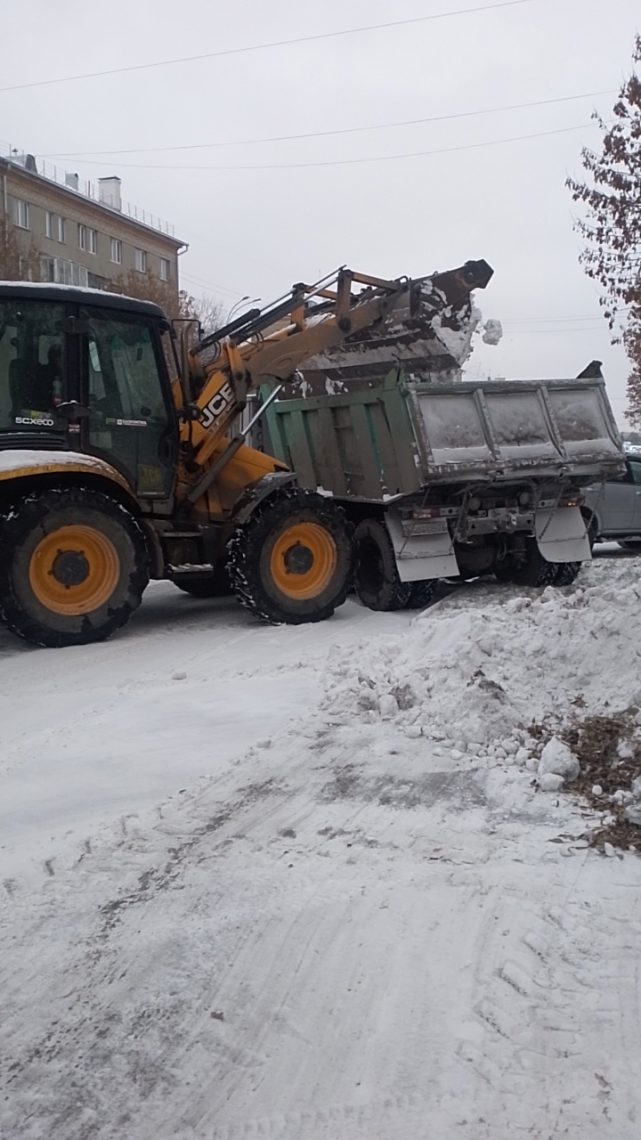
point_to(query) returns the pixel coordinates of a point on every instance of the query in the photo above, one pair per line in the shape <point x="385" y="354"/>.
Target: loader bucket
<point x="427" y="333"/>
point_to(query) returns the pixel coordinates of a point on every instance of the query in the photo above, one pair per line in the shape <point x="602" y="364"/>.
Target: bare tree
<point x="18" y="259"/>
<point x="611" y="225"/>
<point x="147" y="287"/>
<point x="208" y="311"/>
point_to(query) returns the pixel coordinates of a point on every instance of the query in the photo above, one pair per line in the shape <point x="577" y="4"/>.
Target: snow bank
<point x="474" y="677"/>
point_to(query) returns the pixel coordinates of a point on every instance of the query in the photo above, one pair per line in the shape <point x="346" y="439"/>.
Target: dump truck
<point x="457" y="479"/>
<point x="120" y="460"/>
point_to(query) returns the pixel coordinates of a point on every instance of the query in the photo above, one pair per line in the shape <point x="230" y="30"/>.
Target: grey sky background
<point x="256" y="231"/>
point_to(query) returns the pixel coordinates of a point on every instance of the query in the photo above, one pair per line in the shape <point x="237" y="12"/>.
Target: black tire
<point x="535" y="570"/>
<point x="630" y="544"/>
<point x="85" y="588"/>
<point x="592" y="529"/>
<point x="301" y="582"/>
<point x="376" y="579"/>
<point x="422" y="594"/>
<point x="566" y="573"/>
<point x="504" y="570"/>
<point x="213" y="585"/>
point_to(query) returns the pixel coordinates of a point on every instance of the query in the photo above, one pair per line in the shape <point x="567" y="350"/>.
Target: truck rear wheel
<point x="422" y="594"/>
<point x="534" y="569"/>
<point x="566" y="573"/>
<point x="74" y="567"/>
<point x="376" y="578"/>
<point x="291" y="561"/>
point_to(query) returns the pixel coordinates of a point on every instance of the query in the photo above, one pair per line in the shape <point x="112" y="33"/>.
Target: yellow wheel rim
<point x="74" y="570"/>
<point x="303" y="560"/>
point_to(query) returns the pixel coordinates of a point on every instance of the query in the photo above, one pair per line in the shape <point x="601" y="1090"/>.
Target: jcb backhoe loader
<point x="118" y="461"/>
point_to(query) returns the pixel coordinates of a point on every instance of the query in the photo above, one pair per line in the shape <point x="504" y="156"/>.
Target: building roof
<point x="8" y="164"/>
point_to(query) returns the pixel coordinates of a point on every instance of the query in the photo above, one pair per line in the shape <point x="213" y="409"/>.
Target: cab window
<point x="32" y="364"/>
<point x="123" y="372"/>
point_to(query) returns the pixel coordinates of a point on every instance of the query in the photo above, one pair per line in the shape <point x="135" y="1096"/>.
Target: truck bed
<point x="399" y="437"/>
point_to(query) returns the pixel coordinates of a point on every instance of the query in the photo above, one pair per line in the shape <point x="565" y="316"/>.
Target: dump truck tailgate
<point x="523" y="428"/>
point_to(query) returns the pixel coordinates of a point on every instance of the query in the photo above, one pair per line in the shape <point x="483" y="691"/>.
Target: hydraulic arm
<point x="274" y="342"/>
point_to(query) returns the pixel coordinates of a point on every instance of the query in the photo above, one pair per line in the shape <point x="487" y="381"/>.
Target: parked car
<point x="614" y="508"/>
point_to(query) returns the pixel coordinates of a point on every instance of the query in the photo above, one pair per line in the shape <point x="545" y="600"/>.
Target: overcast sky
<point x="256" y="231"/>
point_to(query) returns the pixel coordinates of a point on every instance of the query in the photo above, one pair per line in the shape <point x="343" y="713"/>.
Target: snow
<point x="302" y="883"/>
<point x="31" y="286"/>
<point x="558" y="760"/>
<point x="492" y="332"/>
<point x="457" y="340"/>
<point x="550" y="781"/>
<point x="25" y="457"/>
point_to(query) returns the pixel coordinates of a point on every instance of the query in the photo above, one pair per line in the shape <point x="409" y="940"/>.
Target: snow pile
<point x="475" y="678"/>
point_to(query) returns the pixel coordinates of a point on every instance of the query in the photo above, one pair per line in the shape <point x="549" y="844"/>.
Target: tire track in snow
<point x="125" y="1038"/>
<point x="545" y="971"/>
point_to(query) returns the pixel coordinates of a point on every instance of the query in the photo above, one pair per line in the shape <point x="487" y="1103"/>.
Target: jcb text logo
<point x="217" y="405"/>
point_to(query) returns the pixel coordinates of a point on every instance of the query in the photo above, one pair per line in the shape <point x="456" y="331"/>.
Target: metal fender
<point x="20" y="463"/>
<point x="259" y="491"/>
<point x="422" y="556"/>
<point x="561" y="535"/>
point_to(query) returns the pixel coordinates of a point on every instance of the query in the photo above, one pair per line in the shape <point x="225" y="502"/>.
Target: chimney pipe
<point x="109" y="192"/>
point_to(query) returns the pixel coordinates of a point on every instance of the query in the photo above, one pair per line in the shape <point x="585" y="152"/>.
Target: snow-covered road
<point x="300" y="883"/>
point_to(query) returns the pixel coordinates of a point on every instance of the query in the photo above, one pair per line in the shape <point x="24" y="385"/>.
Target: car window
<point x="635" y="469"/>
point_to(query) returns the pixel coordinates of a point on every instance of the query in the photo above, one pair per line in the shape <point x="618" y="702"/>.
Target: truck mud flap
<point x="423" y="555"/>
<point x="561" y="535"/>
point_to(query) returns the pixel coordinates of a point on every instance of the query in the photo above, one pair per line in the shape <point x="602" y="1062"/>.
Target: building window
<point x="87" y="239"/>
<point x="20" y="212"/>
<point x="140" y="260"/>
<point x="164" y="269"/>
<point x="47" y="269"/>
<point x="63" y="272"/>
<point x="115" y="251"/>
<point x="55" y="227"/>
<point x="79" y="275"/>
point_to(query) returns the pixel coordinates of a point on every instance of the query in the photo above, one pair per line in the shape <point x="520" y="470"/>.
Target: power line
<point x="547" y="320"/>
<point x="212" y="285"/>
<point x="265" y="46"/>
<point x="338" y="131"/>
<point x="557" y="332"/>
<point x="352" y="161"/>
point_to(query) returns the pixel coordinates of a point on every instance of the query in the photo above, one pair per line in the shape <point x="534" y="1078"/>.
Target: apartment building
<point x="80" y="235"/>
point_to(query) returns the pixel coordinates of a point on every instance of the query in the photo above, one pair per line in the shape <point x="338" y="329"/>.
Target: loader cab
<point x="92" y="372"/>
